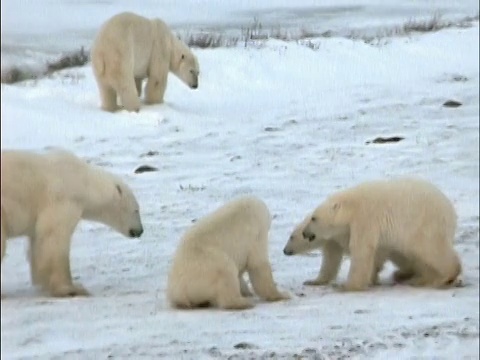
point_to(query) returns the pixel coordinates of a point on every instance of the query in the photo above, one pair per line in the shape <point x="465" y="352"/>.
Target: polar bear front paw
<point x="315" y="282"/>
<point x="349" y="287"/>
<point x="237" y="304"/>
<point x="69" y="291"/>
<point x="279" y="297"/>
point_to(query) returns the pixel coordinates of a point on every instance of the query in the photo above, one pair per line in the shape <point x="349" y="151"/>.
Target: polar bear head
<point x="184" y="64"/>
<point x="117" y="207"/>
<point x="298" y="244"/>
<point x="329" y="221"/>
<point x="127" y="212"/>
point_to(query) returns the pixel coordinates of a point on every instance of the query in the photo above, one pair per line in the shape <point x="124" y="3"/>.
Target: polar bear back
<point x="233" y="228"/>
<point x="402" y="208"/>
<point x="30" y="181"/>
<point x="57" y="172"/>
<point x="141" y="35"/>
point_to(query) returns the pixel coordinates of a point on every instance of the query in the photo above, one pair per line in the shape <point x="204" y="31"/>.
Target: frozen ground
<point x="290" y="125"/>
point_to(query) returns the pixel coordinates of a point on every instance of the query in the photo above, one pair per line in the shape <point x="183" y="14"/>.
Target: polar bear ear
<point x="336" y="206"/>
<point x="119" y="189"/>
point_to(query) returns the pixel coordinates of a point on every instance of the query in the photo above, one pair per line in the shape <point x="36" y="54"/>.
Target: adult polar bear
<point x="44" y="196"/>
<point x="130" y="48"/>
<point x="407" y="221"/>
<point x="214" y="254"/>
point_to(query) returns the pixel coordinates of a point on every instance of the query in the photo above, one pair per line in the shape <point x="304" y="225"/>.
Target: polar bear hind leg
<point x="405" y="267"/>
<point x="218" y="285"/>
<point x="108" y="97"/>
<point x="127" y="91"/>
<point x="439" y="271"/>
<point x="380" y="258"/>
<point x="436" y="263"/>
<point x="229" y="296"/>
<point x="227" y="284"/>
<point x="120" y="76"/>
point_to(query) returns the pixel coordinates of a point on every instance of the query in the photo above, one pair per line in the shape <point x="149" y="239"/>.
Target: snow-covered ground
<point x="277" y="120"/>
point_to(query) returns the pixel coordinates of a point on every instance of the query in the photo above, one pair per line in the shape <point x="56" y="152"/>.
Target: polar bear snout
<point x="194" y="83"/>
<point x="135" y="232"/>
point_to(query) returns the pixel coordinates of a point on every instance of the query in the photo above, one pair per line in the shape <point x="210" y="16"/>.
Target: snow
<point x="35" y="31"/>
<point x="274" y="119"/>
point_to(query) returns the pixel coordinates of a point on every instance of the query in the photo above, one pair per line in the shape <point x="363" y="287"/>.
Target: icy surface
<point x="280" y="121"/>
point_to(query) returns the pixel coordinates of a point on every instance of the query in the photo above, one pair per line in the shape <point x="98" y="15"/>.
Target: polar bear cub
<point x="44" y="196"/>
<point x="130" y="48"/>
<point x="407" y="221"/>
<point x="214" y="254"/>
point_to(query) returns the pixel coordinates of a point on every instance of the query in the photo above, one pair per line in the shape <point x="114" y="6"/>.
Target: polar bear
<point x="408" y="221"/>
<point x="130" y="48"/>
<point x="214" y="254"/>
<point x="44" y="196"/>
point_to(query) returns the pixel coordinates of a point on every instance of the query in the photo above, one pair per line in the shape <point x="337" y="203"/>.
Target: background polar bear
<point x="407" y="221"/>
<point x="44" y="196"/>
<point x="130" y="48"/>
<point x="214" y="253"/>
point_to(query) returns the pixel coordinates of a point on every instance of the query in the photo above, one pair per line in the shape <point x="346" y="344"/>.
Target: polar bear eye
<point x="183" y="56"/>
<point x="119" y="189"/>
<point x="314" y="218"/>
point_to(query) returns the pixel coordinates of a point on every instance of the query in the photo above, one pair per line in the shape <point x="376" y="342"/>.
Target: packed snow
<point x="289" y="122"/>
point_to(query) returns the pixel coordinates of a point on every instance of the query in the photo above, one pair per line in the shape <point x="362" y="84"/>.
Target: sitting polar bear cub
<point x="130" y="48"/>
<point x="213" y="255"/>
<point x="44" y="196"/>
<point x="407" y="221"/>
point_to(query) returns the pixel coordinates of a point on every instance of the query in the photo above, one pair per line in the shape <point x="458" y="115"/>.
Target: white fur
<point x="407" y="221"/>
<point x="44" y="196"/>
<point x="130" y="48"/>
<point x="214" y="254"/>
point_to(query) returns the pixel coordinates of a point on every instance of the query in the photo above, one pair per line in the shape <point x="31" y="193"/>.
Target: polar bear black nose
<point x="287" y="252"/>
<point x="135" y="233"/>
<point x="194" y="86"/>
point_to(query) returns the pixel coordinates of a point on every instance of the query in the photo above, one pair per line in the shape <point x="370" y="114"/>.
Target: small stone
<point x="384" y="140"/>
<point x="361" y="311"/>
<point x="245" y="345"/>
<point x="452" y="104"/>
<point x="459" y="78"/>
<point x="150" y="153"/>
<point x="271" y="129"/>
<point x="145" y="168"/>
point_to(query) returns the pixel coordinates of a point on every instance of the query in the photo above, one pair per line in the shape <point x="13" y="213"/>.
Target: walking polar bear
<point x="44" y="196"/>
<point x="130" y="48"/>
<point x="407" y="221"/>
<point x="214" y="254"/>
